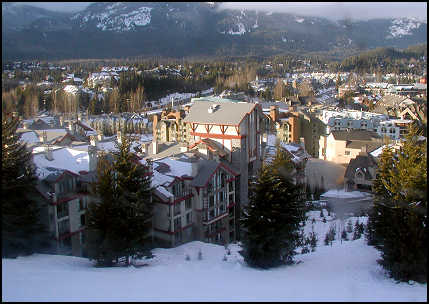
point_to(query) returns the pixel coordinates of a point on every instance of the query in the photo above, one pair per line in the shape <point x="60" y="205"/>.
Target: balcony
<point x="208" y="234"/>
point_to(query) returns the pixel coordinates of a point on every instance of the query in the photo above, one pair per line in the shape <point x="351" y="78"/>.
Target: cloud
<point x="338" y="10"/>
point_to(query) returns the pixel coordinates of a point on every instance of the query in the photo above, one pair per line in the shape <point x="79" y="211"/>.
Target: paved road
<point x="344" y="208"/>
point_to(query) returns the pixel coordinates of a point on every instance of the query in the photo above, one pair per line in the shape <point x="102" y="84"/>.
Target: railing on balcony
<point x="176" y="209"/>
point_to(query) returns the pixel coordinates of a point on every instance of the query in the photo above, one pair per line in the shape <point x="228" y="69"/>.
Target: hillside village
<point x="203" y="147"/>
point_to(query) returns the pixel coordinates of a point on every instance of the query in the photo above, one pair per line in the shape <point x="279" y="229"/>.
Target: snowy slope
<point x="403" y="27"/>
<point x="343" y="272"/>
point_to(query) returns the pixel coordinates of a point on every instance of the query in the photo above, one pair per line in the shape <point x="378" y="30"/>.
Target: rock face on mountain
<point x="179" y="29"/>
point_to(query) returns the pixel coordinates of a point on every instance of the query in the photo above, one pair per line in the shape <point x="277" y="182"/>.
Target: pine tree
<point x="119" y="224"/>
<point x="22" y="232"/>
<point x="349" y="227"/>
<point x="313" y="239"/>
<point x="344" y="235"/>
<point x="272" y="220"/>
<point x="398" y="220"/>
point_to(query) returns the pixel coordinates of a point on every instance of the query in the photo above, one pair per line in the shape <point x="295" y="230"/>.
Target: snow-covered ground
<point x="345" y="271"/>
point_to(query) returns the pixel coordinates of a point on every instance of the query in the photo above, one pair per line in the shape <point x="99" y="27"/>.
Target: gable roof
<point x="206" y="169"/>
<point x="211" y="144"/>
<point x="227" y="113"/>
<point x="363" y="161"/>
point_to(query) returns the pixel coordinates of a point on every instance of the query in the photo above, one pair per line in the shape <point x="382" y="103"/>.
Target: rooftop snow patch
<point x="344" y="194"/>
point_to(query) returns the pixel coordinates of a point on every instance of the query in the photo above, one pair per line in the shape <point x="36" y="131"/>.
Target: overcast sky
<point x="332" y="10"/>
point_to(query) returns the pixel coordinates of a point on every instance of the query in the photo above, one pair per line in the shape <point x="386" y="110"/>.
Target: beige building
<point x="236" y="127"/>
<point x="342" y="146"/>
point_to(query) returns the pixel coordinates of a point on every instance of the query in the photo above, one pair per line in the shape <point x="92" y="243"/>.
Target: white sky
<point x="331" y="10"/>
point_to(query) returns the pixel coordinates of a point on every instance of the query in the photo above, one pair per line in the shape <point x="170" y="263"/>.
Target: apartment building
<point x="195" y="199"/>
<point x="237" y="128"/>
<point x="351" y="120"/>
<point x="342" y="146"/>
<point x="64" y="178"/>
<point x="395" y="129"/>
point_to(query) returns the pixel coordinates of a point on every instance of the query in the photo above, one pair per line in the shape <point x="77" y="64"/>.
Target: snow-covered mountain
<point x="403" y="26"/>
<point x="119" y="29"/>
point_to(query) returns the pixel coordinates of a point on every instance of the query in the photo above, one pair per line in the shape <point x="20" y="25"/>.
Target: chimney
<point x="93" y="140"/>
<point x="274" y="113"/>
<point x="71" y="126"/>
<point x="119" y="136"/>
<point x="61" y="121"/>
<point x="92" y="153"/>
<point x="43" y="137"/>
<point x="154" y="147"/>
<point x="100" y="136"/>
<point x="154" y="125"/>
<point x="145" y="147"/>
<point x="364" y="150"/>
<point x="150" y="164"/>
<point x="48" y="153"/>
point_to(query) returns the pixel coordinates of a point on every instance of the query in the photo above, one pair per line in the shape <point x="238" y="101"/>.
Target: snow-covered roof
<point x="65" y="158"/>
<point x="343" y="194"/>
<point x="30" y="137"/>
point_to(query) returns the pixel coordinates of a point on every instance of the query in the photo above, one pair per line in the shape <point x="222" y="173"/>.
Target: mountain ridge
<point x="177" y="29"/>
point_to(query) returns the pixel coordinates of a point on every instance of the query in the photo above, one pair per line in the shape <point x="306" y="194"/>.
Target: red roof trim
<point x="220" y="136"/>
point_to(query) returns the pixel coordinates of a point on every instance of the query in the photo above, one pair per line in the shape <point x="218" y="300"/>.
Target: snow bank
<point x="346" y="271"/>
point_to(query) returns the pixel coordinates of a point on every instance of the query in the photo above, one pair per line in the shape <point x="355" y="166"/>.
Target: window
<point x="347" y="153"/>
<point x="63" y="227"/>
<point x="188" y="203"/>
<point x="82" y="205"/>
<point x="177" y="209"/>
<point x="222" y="208"/>
<point x="62" y="210"/>
<point x="221" y="196"/>
<point x="189" y="218"/>
<point x="230" y="186"/>
<point x="177" y="224"/>
<point x="82" y="220"/>
<point x="211" y="201"/>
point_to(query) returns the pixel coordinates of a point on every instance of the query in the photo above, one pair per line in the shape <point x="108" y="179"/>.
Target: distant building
<point x="342" y="146"/>
<point x="394" y="128"/>
<point x="360" y="173"/>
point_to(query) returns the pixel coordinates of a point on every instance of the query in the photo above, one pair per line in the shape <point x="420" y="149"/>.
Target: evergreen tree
<point x="272" y="220"/>
<point x="344" y="235"/>
<point x="120" y="222"/>
<point x="312" y="239"/>
<point x="349" y="227"/>
<point x="398" y="220"/>
<point x="22" y="232"/>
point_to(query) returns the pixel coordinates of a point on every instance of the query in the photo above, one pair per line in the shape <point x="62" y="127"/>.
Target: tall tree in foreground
<point x="22" y="233"/>
<point x="272" y="220"/>
<point x="398" y="221"/>
<point x="119" y="224"/>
